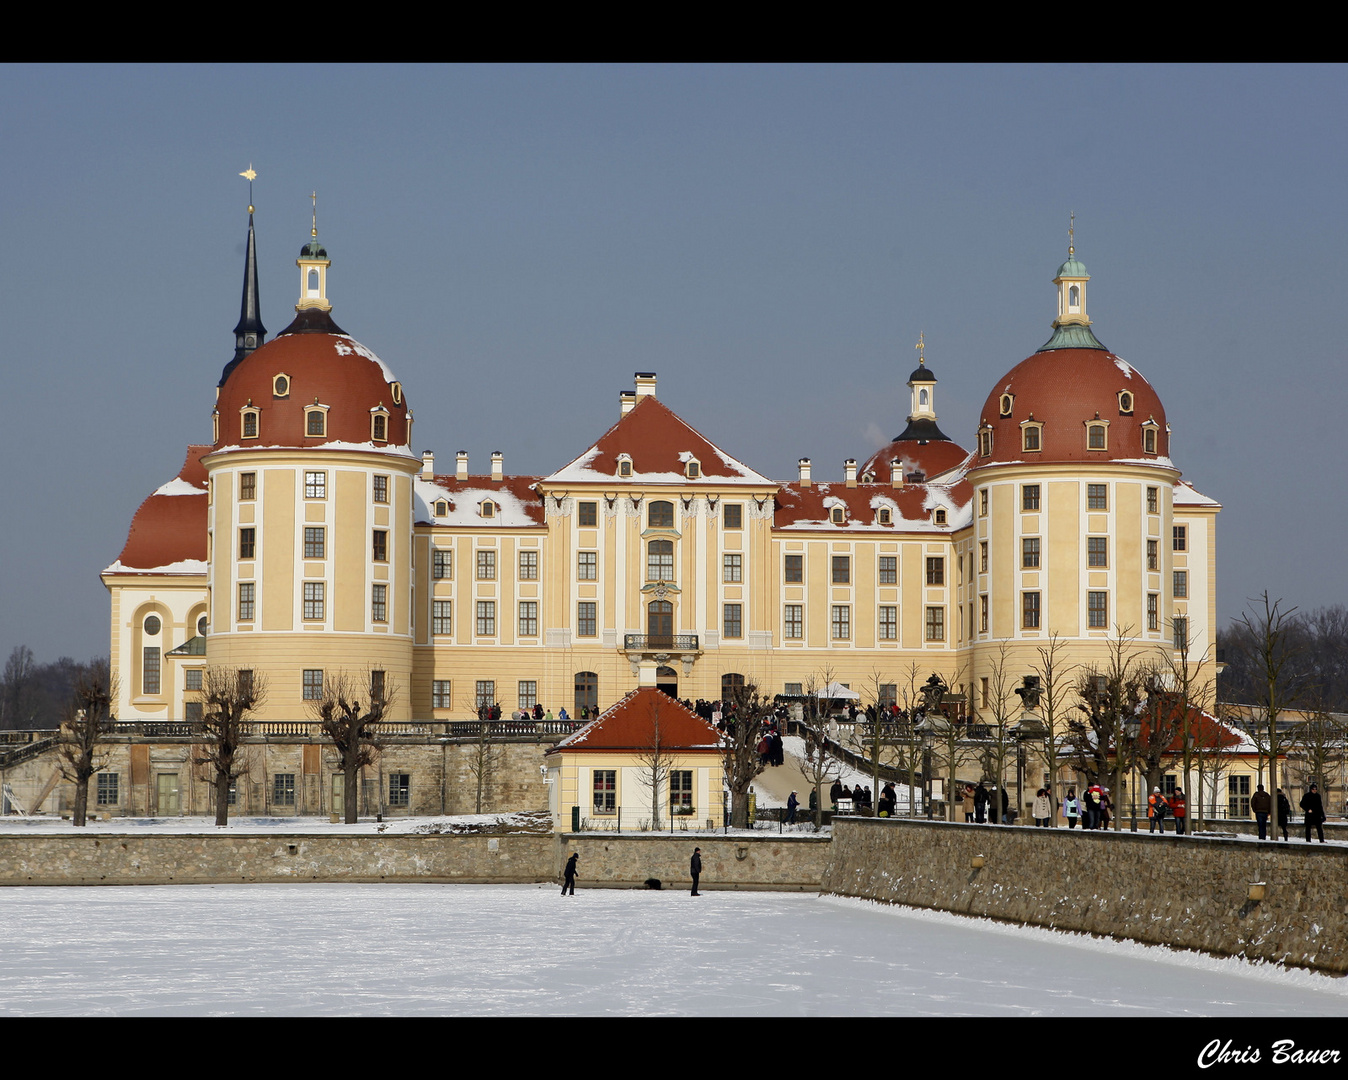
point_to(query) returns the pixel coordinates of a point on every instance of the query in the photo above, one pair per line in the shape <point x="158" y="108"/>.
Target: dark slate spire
<point x="250" y="333"/>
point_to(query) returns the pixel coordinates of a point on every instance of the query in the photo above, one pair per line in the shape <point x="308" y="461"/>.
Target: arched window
<point x="315" y="422"/>
<point x="837" y="515"/>
<point x="1149" y="440"/>
<point x="312" y="287"/>
<point x="1074" y="297"/>
<point x="587" y="691"/>
<point x="660" y="560"/>
<point x="660" y="515"/>
<point x="1095" y="437"/>
<point x="379" y="428"/>
<point x="922" y="397"/>
<point x="732" y="686"/>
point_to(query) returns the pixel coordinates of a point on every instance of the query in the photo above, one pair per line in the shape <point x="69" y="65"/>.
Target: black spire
<point x="250" y="333"/>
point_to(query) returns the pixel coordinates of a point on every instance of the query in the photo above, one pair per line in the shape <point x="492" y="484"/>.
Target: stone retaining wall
<point x="1186" y="892"/>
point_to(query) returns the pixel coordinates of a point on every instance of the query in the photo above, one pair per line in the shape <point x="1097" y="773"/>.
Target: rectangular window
<point x="528" y="693"/>
<point x="193" y="711"/>
<point x="381" y="489"/>
<point x="442" y="564"/>
<point x="1180" y="538"/>
<point x="983" y="613"/>
<point x="376" y="686"/>
<point x="149" y="672"/>
<point x="379" y="546"/>
<point x="1097" y="610"/>
<point x="247" y="486"/>
<point x="587" y="565"/>
<point x="1030" y="437"/>
<point x="983" y="557"/>
<point x="442" y="617"/>
<point x="441" y="698"/>
<point x="795" y="569"/>
<point x="486" y="566"/>
<point x="1029" y="610"/>
<point x="1095" y="437"/>
<point x="108" y="784"/>
<point x="283" y="789"/>
<point x="1181" y="589"/>
<point x="484" y="693"/>
<point x="1181" y="629"/>
<point x="587" y="515"/>
<point x="605" y="791"/>
<point x="842" y="622"/>
<point x="248" y="543"/>
<point x="313" y="599"/>
<point x="400" y="789"/>
<point x="1097" y="551"/>
<point x="681" y="792"/>
<point x="1029" y="553"/>
<point x="842" y="569"/>
<point x="889" y="623"/>
<point x="660" y="560"/>
<point x="379" y="603"/>
<point x="794" y="621"/>
<point x="1238" y="796"/>
<point x="734" y="516"/>
<point x="192" y="679"/>
<point x="315" y="485"/>
<point x="888" y="695"/>
<point x="1153" y="611"/>
<point x="1029" y="497"/>
<point x="983" y="691"/>
<point x="793" y="689"/>
<point x="528" y="618"/>
<point x="1097" y="496"/>
<point x="528" y="566"/>
<point x="587" y="619"/>
<point x="732" y="568"/>
<point x="889" y="569"/>
<point x="983" y="502"/>
<point x="313" y="684"/>
<point x="936" y="570"/>
<point x="315" y="542"/>
<point x="1152" y="501"/>
<point x="935" y="624"/>
<point x="486" y="618"/>
<point x="246" y="594"/>
<point x="732" y="624"/>
<point x="1153" y="555"/>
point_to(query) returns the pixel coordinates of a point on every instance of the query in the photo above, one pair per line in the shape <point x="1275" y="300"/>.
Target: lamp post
<point x="1132" y="728"/>
<point x="1029" y="728"/>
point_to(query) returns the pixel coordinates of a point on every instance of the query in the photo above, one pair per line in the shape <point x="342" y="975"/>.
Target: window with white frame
<point x="315" y="485"/>
<point x="442" y="564"/>
<point x="486" y="618"/>
<point x="1097" y="610"/>
<point x="247" y="592"/>
<point x="587" y="565"/>
<point x="841" y="622"/>
<point x="889" y="622"/>
<point x="1097" y="551"/>
<point x="313" y="684"/>
<point x="528" y="693"/>
<point x="732" y="568"/>
<point x="681" y="792"/>
<point x="484" y="692"/>
<point x="486" y="566"/>
<point x="935" y="624"/>
<point x="528" y="623"/>
<point x="379" y="603"/>
<point x="660" y="560"/>
<point x="1181" y="584"/>
<point x="528" y="566"/>
<point x="442" y="617"/>
<point x="732" y="623"/>
<point x="1029" y="552"/>
<point x="889" y="570"/>
<point x="441" y="698"/>
<point x="794" y="621"/>
<point x="587" y="619"/>
<point x="605" y="788"/>
<point x="315" y="542"/>
<point x="313" y="599"/>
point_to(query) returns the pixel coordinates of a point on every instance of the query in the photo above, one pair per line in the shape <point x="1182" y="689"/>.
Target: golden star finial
<point x="249" y="175"/>
<point x="921" y="356"/>
<point x="1071" y="234"/>
<point x="314" y="232"/>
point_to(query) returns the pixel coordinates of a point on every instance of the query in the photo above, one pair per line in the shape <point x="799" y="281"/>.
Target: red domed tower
<point x="311" y="510"/>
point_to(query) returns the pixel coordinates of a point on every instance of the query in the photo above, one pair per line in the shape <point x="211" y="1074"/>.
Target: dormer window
<point x="985" y="442"/>
<point x="1149" y="433"/>
<point x="316" y="421"/>
<point x="487" y="508"/>
<point x="624" y="465"/>
<point x="868" y="478"/>
<point x="837" y="515"/>
<point x="250" y="422"/>
<point x="1032" y="435"/>
<point x="441" y="508"/>
<point x="1125" y="403"/>
<point x="692" y="469"/>
<point x="1007" y="401"/>
<point x="939" y="517"/>
<point x="280" y="386"/>
<point x="886" y="516"/>
<point x="379" y="425"/>
<point x="1097" y="435"/>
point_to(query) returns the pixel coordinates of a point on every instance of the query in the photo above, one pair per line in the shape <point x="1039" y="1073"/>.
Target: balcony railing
<point x="660" y="642"/>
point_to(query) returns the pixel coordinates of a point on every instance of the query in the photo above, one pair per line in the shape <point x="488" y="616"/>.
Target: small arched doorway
<point x="667" y="681"/>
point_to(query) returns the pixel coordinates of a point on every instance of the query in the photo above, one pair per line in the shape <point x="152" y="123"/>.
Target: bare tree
<point x="1192" y="688"/>
<point x="88" y="722"/>
<point x="484" y="761"/>
<point x="16" y="689"/>
<point x="656" y="762"/>
<point x="1318" y="744"/>
<point x="818" y="763"/>
<point x="1002" y="707"/>
<point x="353" y="727"/>
<point x="1055" y="689"/>
<point x="1273" y="652"/>
<point x="229" y="697"/>
<point x="742" y="717"/>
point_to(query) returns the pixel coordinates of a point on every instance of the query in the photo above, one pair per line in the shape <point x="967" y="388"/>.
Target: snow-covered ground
<point x="479" y="950"/>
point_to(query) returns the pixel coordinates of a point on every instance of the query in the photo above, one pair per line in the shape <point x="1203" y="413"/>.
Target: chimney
<point x="804" y="464"/>
<point x="850" y="471"/>
<point x="896" y="473"/>
<point x="645" y="384"/>
<point x="497" y="466"/>
<point x="427" y="465"/>
<point x="461" y="465"/>
<point x="628" y="398"/>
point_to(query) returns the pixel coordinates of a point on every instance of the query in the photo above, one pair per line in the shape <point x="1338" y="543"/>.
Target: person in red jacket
<point x="1180" y="808"/>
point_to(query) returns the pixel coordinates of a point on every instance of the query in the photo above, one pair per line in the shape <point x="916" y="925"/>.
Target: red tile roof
<point x="169" y="528"/>
<point x="630" y="726"/>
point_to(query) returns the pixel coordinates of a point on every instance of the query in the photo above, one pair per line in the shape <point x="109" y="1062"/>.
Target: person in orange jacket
<point x="1156" y="811"/>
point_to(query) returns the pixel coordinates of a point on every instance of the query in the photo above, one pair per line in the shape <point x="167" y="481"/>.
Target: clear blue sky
<point x="516" y="241"/>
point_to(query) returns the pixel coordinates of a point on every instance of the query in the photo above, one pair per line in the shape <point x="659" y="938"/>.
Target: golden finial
<point x="314" y="231"/>
<point x="1071" y="234"/>
<point x="921" y="344"/>
<point x="250" y="176"/>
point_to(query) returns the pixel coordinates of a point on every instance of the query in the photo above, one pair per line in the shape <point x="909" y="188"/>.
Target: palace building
<point x="308" y="540"/>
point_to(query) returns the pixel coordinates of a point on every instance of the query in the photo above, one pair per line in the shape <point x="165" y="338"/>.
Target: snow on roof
<point x="361" y="350"/>
<point x="367" y="447"/>
<point x="179" y="486"/>
<point x="517" y="503"/>
<point x="1123" y="366"/>
<point x="629" y="724"/>
<point x="913" y="505"/>
<point x="1188" y="495"/>
<point x="182" y="566"/>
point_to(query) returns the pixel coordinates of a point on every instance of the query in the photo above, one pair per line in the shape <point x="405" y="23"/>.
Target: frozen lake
<point x="500" y="950"/>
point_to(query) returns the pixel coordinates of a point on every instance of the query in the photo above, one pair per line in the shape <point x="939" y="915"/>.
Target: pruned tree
<point x="1002" y="707"/>
<point x="484" y="761"/>
<point x="742" y="716"/>
<point x="817" y="763"/>
<point x="16" y="689"/>
<point x="656" y="761"/>
<point x="1318" y="748"/>
<point x="229" y="697"/>
<point x="1273" y="653"/>
<point x="353" y="727"/>
<point x="1192" y="688"/>
<point x="80" y="739"/>
<point x="1056" y="688"/>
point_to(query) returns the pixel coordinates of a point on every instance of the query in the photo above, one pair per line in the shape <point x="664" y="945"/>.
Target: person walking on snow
<point x="569" y="882"/>
<point x="695" y="868"/>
